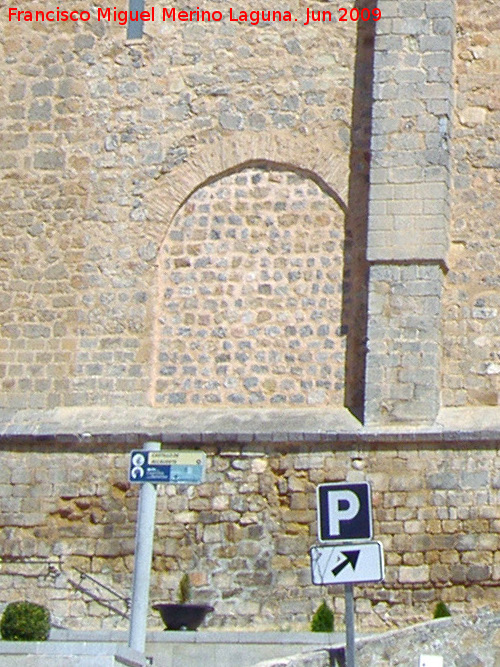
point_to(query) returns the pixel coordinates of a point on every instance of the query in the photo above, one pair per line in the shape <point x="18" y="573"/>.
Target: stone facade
<point x="104" y="140"/>
<point x="250" y="305"/>
<point x="244" y="535"/>
<point x="403" y="368"/>
<point x="471" y="286"/>
<point x="293" y="224"/>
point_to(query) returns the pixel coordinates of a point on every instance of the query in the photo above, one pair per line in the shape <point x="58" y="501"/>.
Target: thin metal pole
<point x="144" y="532"/>
<point x="349" y="626"/>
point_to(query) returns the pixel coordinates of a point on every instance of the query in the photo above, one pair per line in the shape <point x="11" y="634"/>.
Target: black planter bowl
<point x="182" y="616"/>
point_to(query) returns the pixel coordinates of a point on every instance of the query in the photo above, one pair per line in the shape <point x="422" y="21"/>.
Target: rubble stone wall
<point x="244" y="535"/>
<point x="334" y="146"/>
<point x="104" y="139"/>
<point x="250" y="300"/>
<point x="471" y="287"/>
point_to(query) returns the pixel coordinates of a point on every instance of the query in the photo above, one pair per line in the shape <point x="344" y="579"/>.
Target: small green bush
<point x="322" y="621"/>
<point x="25" y="621"/>
<point x="184" y="594"/>
<point x="441" y="610"/>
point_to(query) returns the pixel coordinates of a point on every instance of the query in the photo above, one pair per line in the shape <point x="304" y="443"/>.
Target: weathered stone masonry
<point x="250" y="305"/>
<point x="244" y="535"/>
<point x="471" y="287"/>
<point x="409" y="208"/>
<point x="199" y="230"/>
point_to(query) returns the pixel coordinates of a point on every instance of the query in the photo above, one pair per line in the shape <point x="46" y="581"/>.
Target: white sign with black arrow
<point x="347" y="563"/>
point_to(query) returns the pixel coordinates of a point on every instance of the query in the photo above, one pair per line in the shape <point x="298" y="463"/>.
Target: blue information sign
<point x="182" y="467"/>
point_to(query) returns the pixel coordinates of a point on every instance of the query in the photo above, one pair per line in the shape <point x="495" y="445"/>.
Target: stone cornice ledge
<point x="88" y="426"/>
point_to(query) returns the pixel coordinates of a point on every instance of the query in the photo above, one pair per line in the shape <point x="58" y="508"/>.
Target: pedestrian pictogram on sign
<point x="344" y="512"/>
<point x="182" y="467"/>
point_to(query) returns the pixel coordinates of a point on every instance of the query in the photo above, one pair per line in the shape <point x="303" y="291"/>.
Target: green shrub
<point x="322" y="621"/>
<point x="25" y="621"/>
<point x="184" y="594"/>
<point x="441" y="610"/>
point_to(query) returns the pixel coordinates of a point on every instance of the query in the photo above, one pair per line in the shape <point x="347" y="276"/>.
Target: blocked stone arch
<point x="317" y="152"/>
<point x="250" y="291"/>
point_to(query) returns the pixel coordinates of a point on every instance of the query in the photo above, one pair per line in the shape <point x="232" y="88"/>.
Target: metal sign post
<point x="345" y="557"/>
<point x="144" y="532"/>
<point x="350" y="657"/>
<point x="149" y="467"/>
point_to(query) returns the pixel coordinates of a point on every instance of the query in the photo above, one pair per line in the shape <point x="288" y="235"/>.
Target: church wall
<point x="108" y="147"/>
<point x="244" y="535"/>
<point x="470" y="323"/>
<point x="104" y="139"/>
<point x="249" y="303"/>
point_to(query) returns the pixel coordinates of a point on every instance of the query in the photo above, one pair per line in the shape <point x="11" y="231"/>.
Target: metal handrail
<point x="104" y="603"/>
<point x="55" y="566"/>
<point x="85" y="575"/>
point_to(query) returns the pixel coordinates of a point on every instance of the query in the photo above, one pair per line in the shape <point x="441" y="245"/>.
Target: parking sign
<point x="347" y="563"/>
<point x="344" y="511"/>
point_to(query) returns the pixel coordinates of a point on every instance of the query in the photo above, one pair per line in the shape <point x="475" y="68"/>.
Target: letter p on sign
<point x="342" y="506"/>
<point x="344" y="512"/>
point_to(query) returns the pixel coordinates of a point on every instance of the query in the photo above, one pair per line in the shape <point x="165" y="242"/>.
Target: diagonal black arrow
<point x="350" y="557"/>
